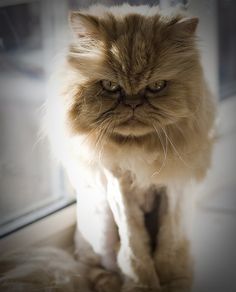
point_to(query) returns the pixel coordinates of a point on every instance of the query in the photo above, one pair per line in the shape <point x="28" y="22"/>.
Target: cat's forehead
<point x="134" y="49"/>
<point x="133" y="46"/>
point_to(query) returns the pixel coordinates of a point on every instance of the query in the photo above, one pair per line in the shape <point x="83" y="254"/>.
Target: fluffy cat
<point x="130" y="120"/>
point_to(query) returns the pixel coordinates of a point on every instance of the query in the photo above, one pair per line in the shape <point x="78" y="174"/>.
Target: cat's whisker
<point x="102" y="147"/>
<point x="181" y="131"/>
<point x="100" y="138"/>
<point x="97" y="127"/>
<point x="89" y="134"/>
<point x="103" y="134"/>
<point x="165" y="149"/>
<point x="174" y="148"/>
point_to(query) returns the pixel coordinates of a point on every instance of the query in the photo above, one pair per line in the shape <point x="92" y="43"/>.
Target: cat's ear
<point x="84" y="25"/>
<point x="186" y="26"/>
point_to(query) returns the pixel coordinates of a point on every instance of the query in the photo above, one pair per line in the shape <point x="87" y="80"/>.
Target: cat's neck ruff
<point x="147" y="165"/>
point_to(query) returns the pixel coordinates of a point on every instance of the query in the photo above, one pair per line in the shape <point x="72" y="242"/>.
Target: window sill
<point x="56" y="229"/>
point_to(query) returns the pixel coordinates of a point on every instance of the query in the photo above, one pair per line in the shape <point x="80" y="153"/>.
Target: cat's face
<point x="138" y="73"/>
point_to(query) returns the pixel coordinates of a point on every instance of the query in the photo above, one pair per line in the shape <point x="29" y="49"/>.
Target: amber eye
<point x="110" y="86"/>
<point x="157" y="86"/>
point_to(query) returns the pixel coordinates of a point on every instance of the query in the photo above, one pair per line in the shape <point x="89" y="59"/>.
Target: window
<point x="31" y="184"/>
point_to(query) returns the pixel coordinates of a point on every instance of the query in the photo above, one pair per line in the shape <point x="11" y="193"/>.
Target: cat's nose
<point x="133" y="101"/>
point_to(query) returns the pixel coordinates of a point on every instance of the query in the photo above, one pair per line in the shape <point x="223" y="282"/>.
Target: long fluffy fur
<point x="41" y="269"/>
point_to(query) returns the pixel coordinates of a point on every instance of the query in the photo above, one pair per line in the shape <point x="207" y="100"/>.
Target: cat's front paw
<point x="104" y="281"/>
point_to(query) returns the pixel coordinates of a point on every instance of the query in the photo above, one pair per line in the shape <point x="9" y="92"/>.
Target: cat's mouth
<point x="132" y="121"/>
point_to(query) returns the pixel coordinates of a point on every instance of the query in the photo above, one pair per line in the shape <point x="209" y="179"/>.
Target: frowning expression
<point x="138" y="73"/>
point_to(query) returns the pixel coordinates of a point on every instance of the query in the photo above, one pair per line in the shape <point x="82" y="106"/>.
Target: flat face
<point x="137" y="73"/>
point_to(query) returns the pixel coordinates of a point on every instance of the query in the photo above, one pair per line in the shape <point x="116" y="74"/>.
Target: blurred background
<point x="32" y="186"/>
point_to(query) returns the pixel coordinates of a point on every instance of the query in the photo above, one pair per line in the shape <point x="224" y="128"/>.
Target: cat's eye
<point x="110" y="86"/>
<point x="157" y="86"/>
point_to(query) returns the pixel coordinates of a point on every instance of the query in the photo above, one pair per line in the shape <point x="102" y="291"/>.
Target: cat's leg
<point x="96" y="241"/>
<point x="172" y="256"/>
<point x="134" y="257"/>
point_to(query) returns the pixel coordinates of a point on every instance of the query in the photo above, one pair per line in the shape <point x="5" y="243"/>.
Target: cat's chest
<point x="140" y="165"/>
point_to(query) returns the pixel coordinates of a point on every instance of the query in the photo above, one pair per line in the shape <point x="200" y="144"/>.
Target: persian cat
<point x="131" y="120"/>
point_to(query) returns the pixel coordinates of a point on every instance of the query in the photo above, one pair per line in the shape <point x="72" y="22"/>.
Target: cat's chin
<point x="133" y="128"/>
<point x="133" y="132"/>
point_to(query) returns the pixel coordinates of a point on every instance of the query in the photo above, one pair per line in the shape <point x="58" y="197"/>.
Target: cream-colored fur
<point x="113" y="168"/>
<point x="41" y="269"/>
